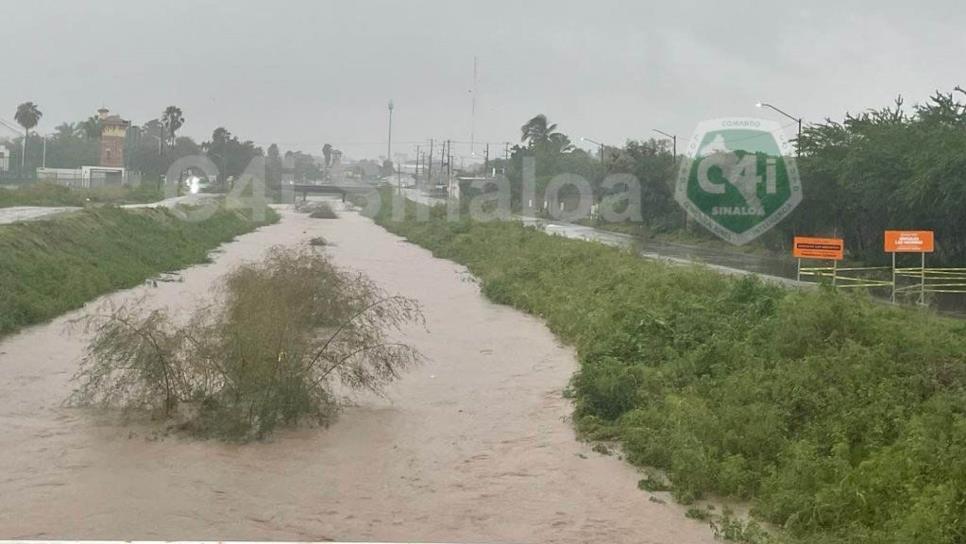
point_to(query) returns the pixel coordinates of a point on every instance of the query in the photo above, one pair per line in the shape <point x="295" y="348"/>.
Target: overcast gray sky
<point x="302" y="73"/>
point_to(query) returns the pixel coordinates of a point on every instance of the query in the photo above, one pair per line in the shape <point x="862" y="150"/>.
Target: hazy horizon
<point x="301" y="74"/>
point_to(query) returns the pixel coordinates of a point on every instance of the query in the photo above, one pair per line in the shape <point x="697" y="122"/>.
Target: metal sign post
<point x="922" y="280"/>
<point x="820" y="249"/>
<point x="909" y="241"/>
<point x="893" y="277"/>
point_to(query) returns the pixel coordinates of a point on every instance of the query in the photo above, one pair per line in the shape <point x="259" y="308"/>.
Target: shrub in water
<point x="317" y="210"/>
<point x="278" y="339"/>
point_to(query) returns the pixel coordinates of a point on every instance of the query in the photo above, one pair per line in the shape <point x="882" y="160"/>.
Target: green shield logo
<point x="739" y="178"/>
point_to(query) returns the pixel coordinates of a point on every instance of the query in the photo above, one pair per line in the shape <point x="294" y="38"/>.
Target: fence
<point x="88" y="177"/>
<point x="915" y="280"/>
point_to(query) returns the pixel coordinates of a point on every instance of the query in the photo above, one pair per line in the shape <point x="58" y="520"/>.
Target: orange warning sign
<point x="908" y="241"/>
<point x="832" y="249"/>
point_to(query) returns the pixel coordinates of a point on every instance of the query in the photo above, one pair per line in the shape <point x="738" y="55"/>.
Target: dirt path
<point x="474" y="445"/>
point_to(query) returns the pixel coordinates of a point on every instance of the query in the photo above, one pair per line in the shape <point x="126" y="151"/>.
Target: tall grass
<point x="52" y="266"/>
<point x="51" y="194"/>
<point x="842" y="420"/>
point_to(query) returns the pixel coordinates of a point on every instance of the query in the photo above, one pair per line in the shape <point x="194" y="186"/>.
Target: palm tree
<point x="66" y="131"/>
<point x="172" y="118"/>
<point x="91" y="127"/>
<point x="28" y="115"/>
<point x="537" y="131"/>
<point x="560" y="142"/>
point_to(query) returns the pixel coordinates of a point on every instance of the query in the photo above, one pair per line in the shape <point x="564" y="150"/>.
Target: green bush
<point x="842" y="419"/>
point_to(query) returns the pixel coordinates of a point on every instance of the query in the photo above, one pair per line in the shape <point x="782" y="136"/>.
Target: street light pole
<point x="674" y="142"/>
<point x="798" y="141"/>
<point x="599" y="144"/>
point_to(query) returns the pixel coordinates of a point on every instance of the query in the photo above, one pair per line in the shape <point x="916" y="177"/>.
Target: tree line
<point x="895" y="167"/>
<point x="151" y="148"/>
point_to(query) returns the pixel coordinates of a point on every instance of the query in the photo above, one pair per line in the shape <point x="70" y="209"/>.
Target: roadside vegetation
<point x="840" y="419"/>
<point x="894" y="167"/>
<point x="275" y="346"/>
<point x="51" y="194"/>
<point x="52" y="266"/>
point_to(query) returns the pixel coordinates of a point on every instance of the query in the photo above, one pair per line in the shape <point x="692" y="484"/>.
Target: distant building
<point x="4" y="158"/>
<point x="113" y="130"/>
<point x="110" y="171"/>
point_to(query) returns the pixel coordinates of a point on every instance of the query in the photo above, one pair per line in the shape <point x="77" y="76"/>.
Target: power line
<point x="10" y="127"/>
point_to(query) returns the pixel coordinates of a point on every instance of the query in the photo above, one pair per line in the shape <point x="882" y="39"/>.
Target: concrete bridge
<point x="331" y="189"/>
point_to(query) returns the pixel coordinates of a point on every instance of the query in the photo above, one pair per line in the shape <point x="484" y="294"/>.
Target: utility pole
<point x="389" y="148"/>
<point x="506" y="156"/>
<point x="599" y="144"/>
<point x="45" y="152"/>
<point x="429" y="170"/>
<point x="416" y="171"/>
<point x="486" y="161"/>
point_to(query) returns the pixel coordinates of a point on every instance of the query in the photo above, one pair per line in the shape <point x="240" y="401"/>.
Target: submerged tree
<point x="277" y="340"/>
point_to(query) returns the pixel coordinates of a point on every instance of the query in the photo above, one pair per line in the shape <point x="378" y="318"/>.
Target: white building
<point x="4" y="158"/>
<point x="85" y="176"/>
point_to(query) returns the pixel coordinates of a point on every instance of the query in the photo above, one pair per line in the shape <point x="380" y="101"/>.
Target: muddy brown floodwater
<point x="473" y="445"/>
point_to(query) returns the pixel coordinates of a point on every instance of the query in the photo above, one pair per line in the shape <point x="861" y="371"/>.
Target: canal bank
<point x="474" y="445"/>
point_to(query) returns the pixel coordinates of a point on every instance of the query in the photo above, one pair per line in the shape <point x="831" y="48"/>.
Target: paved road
<point x="728" y="262"/>
<point x="31" y="213"/>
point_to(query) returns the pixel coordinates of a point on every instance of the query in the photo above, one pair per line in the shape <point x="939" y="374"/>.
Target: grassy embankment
<point x="50" y="194"/>
<point x="50" y="267"/>
<point x="840" y="419"/>
<point x="694" y="236"/>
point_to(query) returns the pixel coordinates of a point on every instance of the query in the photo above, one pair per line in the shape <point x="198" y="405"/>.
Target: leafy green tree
<point x="652" y="164"/>
<point x="891" y="168"/>
<point x="273" y="166"/>
<point x="303" y="165"/>
<point x="230" y="154"/>
<point x="68" y="147"/>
